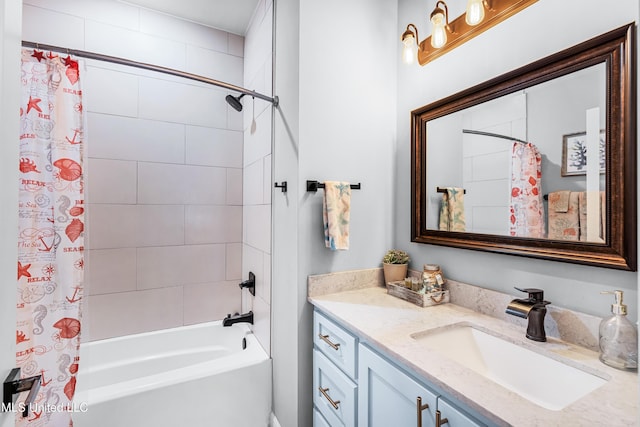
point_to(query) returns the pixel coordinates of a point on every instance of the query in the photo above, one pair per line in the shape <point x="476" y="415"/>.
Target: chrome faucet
<point x="532" y="308"/>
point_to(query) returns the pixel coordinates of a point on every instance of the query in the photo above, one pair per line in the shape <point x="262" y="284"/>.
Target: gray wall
<point x="335" y="76"/>
<point x="511" y="44"/>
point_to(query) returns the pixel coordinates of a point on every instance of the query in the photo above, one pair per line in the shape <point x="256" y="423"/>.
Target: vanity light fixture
<point x="410" y="45"/>
<point x="480" y="15"/>
<point x="475" y="11"/>
<point x="440" y="25"/>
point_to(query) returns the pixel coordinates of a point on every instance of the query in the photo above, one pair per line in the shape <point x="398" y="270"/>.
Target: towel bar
<point x="314" y="185"/>
<point x="282" y="187"/>
<point x="444" y="190"/>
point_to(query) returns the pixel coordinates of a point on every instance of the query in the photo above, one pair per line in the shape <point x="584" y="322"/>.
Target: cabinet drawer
<point x="334" y="394"/>
<point x="335" y="343"/>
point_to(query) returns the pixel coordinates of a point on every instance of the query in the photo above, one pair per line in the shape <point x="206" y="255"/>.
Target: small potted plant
<point x="395" y="264"/>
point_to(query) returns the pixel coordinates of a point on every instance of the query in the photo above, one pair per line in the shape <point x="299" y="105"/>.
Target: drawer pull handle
<point x="326" y="339"/>
<point x="324" y="391"/>
<point x="440" y="420"/>
<point x="419" y="408"/>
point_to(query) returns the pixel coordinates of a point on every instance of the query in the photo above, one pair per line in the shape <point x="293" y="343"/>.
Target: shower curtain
<point x="50" y="235"/>
<point x="526" y="210"/>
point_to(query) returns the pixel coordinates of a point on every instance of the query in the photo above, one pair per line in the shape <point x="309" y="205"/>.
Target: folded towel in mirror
<point x="452" y="210"/>
<point x="564" y="224"/>
<point x="559" y="201"/>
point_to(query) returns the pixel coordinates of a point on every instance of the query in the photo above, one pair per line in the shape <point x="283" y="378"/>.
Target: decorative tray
<point x="397" y="289"/>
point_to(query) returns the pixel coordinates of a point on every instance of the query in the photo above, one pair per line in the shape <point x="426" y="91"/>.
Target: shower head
<point x="235" y="101"/>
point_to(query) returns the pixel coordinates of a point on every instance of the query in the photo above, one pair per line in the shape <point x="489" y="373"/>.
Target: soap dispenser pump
<point x="618" y="337"/>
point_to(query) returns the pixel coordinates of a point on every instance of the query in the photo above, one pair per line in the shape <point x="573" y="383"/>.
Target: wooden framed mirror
<point x="546" y="115"/>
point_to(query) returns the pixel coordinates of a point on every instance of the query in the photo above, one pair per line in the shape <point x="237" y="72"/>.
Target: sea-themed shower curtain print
<point x="526" y="210"/>
<point x="50" y="235"/>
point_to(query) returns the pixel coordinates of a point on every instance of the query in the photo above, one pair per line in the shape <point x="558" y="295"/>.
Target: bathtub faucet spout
<point x="230" y="320"/>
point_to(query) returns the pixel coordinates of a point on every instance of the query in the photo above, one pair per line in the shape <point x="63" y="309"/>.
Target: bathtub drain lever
<point x="251" y="284"/>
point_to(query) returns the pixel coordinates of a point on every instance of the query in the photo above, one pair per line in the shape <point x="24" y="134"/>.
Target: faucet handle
<point x="536" y="295"/>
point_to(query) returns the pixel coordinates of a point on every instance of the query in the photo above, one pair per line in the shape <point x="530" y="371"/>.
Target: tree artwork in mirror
<point x="507" y="166"/>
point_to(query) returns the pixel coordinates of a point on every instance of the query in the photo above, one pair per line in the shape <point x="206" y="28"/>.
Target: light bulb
<point x="475" y="12"/>
<point x="438" y="33"/>
<point x="409" y="49"/>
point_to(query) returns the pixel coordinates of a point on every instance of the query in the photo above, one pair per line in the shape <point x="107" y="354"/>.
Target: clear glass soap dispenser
<point x="618" y="337"/>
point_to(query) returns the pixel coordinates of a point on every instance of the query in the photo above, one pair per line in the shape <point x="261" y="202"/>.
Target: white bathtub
<point x="183" y="377"/>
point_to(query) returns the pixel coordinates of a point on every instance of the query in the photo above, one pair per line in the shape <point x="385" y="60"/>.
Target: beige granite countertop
<point x="387" y="323"/>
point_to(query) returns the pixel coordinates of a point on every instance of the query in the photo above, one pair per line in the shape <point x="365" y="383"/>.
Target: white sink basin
<point x="539" y="379"/>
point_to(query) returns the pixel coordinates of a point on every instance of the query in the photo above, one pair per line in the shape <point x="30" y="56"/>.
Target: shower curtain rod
<point x="151" y="67"/>
<point x="495" y="135"/>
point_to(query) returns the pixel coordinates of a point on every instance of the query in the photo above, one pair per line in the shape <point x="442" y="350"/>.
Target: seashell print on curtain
<point x="526" y="210"/>
<point x="50" y="235"/>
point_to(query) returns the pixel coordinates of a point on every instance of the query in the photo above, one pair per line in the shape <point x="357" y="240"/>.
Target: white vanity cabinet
<point x="354" y="385"/>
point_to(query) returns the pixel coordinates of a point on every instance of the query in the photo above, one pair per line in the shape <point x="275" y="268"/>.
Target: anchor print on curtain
<point x="526" y="211"/>
<point x="50" y="236"/>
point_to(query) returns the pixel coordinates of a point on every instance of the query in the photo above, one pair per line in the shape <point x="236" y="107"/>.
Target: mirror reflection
<point x="521" y="164"/>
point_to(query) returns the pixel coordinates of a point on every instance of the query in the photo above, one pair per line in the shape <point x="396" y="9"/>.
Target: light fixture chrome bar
<point x="150" y="67"/>
<point x="494" y="135"/>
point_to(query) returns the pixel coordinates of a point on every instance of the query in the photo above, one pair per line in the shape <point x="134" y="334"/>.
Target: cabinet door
<point x="454" y="417"/>
<point x="389" y="397"/>
<point x="318" y="419"/>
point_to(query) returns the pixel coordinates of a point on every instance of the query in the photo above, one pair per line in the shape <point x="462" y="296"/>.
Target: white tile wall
<point x="266" y="180"/>
<point x="213" y="147"/>
<point x="127" y="313"/>
<point x="234" y="119"/>
<point x="167" y="266"/>
<point x="182" y="103"/>
<point x="234" y="261"/>
<point x="160" y="225"/>
<point x="117" y="41"/>
<point x="257" y="227"/>
<point x="183" y="31"/>
<point x="234" y="186"/>
<point x="181" y="184"/>
<point x="111" y="226"/>
<point x="209" y="63"/>
<point x="204" y="302"/>
<point x="112" y="181"/>
<point x="253" y="260"/>
<point x="213" y="224"/>
<point x="254" y="183"/>
<point x="111" y="270"/>
<point x="115" y="13"/>
<point x="236" y="45"/>
<point x="262" y="322"/>
<point x="110" y="92"/>
<point x="164" y="173"/>
<point x="125" y="138"/>
<point x="258" y="141"/>
<point x="165" y="181"/>
<point x="257" y="180"/>
<point x="59" y="29"/>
